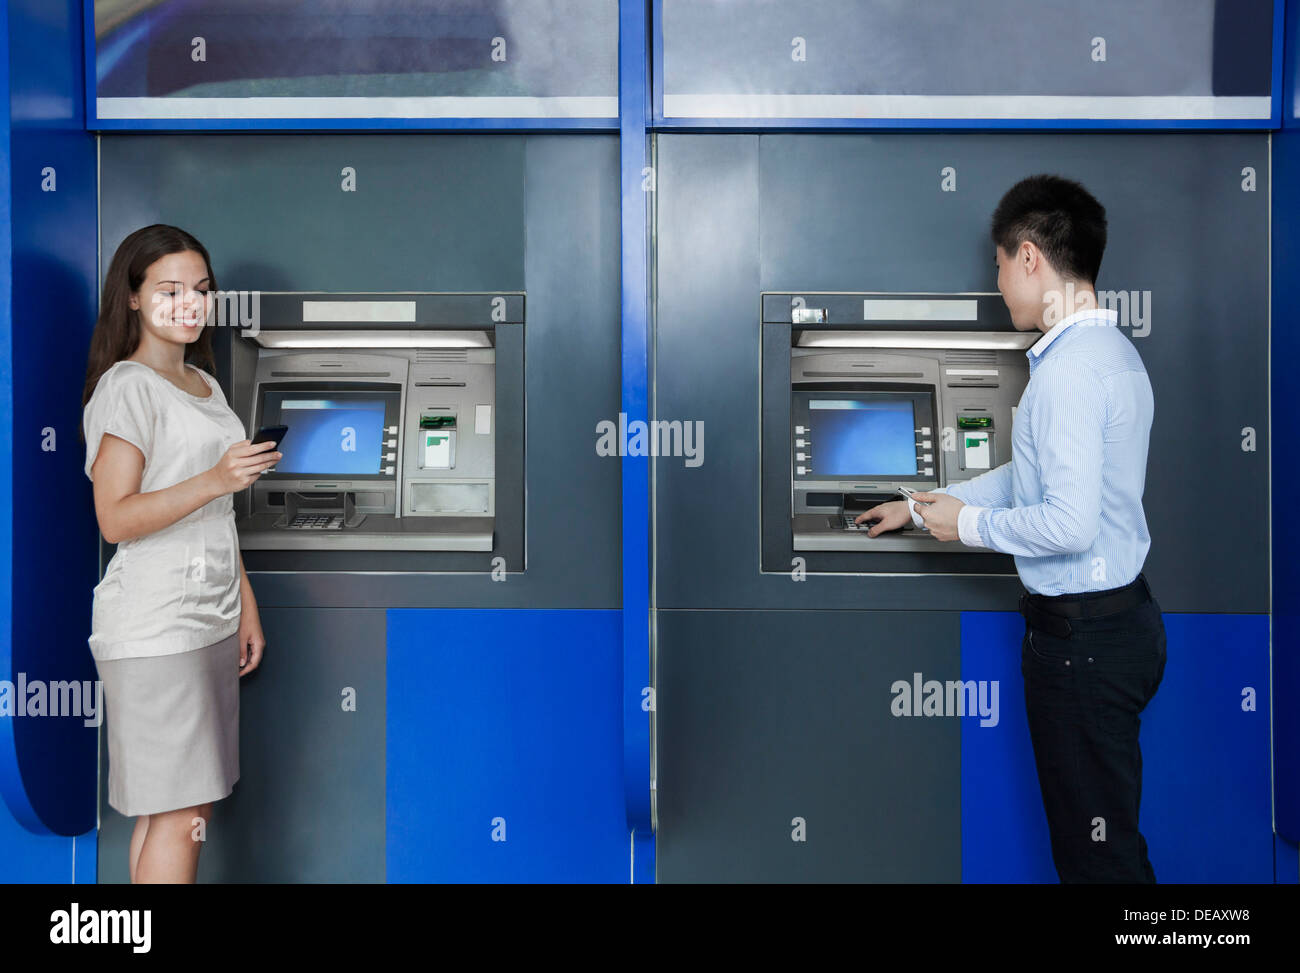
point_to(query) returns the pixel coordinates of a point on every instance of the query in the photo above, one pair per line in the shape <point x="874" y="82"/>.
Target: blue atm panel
<point x="1205" y="756"/>
<point x="504" y="756"/>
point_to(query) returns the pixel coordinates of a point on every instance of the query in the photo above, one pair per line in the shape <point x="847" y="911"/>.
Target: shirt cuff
<point x="916" y="514"/>
<point x="917" y="520"/>
<point x="968" y="526"/>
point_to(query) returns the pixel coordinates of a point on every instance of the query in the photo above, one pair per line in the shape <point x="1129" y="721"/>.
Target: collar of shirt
<point x="1109" y="315"/>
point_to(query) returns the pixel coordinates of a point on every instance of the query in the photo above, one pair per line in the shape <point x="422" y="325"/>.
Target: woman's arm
<point x="252" y="642"/>
<point x="125" y="513"/>
<point x="246" y="598"/>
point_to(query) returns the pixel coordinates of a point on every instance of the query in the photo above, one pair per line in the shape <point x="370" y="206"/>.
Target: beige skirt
<point x="173" y="728"/>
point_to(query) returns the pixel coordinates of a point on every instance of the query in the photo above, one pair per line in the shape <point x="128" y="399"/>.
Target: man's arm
<point x="1068" y="427"/>
<point x="989" y="489"/>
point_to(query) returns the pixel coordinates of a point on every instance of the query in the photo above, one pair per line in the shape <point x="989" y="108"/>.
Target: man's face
<point x="1018" y="290"/>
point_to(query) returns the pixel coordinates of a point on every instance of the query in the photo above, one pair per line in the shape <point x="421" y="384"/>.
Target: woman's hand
<point x="243" y="463"/>
<point x="251" y="639"/>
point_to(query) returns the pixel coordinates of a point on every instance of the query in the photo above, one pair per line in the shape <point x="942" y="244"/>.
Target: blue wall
<point x="503" y="754"/>
<point x="1205" y="786"/>
<point x="47" y="764"/>
<point x="1286" y="465"/>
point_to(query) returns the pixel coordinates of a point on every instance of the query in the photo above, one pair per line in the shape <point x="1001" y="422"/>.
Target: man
<point x="1069" y="508"/>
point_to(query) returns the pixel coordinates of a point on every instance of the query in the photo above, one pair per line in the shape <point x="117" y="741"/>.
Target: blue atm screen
<point x="332" y="437"/>
<point x="863" y="437"/>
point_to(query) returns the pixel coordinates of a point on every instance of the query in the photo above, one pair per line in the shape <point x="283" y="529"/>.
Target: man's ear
<point x="1028" y="257"/>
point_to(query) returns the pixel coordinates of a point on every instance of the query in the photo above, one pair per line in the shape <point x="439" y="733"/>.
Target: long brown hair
<point x="117" y="331"/>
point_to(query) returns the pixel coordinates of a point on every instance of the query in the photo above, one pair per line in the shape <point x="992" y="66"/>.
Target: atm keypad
<point x="325" y="521"/>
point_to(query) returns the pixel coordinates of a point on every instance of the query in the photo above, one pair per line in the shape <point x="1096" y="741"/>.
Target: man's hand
<point x="939" y="511"/>
<point x="890" y="516"/>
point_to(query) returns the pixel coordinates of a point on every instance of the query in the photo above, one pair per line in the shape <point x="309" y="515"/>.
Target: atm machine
<point x="864" y="393"/>
<point x="398" y="430"/>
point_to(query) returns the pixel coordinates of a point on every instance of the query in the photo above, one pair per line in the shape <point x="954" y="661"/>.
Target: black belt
<point x="1051" y="613"/>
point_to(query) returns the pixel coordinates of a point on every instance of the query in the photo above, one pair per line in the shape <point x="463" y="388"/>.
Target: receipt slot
<point x="866" y="393"/>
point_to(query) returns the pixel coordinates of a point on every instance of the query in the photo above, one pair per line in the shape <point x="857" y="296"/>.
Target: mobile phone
<point x="272" y="434"/>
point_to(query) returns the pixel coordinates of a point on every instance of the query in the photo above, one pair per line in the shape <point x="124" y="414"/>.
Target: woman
<point x="174" y="623"/>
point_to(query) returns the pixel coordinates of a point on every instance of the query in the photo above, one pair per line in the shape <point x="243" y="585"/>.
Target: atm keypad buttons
<point x="322" y="521"/>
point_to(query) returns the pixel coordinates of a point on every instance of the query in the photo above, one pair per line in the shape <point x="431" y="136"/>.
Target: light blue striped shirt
<point x="1069" y="504"/>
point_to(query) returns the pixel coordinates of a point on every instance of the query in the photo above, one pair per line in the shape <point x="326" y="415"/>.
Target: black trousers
<point x="1083" y="694"/>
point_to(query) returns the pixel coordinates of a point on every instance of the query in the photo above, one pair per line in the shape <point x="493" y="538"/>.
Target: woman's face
<point x="175" y="299"/>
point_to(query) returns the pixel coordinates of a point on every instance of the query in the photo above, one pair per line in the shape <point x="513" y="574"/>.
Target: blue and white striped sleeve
<point x="1068" y="423"/>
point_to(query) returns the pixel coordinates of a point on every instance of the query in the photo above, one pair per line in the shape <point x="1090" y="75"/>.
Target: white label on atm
<point x="977" y="450"/>
<point x="436" y="449"/>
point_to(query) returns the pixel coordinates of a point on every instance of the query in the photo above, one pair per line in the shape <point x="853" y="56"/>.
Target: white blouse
<point x="176" y="589"/>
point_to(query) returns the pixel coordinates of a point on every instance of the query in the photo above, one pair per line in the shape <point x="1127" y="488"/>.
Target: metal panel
<point x="473" y="64"/>
<point x="742" y="214"/>
<point x="769" y="716"/>
<point x="634" y="164"/>
<point x="310" y="799"/>
<point x="841" y="63"/>
<point x="502" y="213"/>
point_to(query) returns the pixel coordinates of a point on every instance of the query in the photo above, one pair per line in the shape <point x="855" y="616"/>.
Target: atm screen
<point x="863" y="436"/>
<point x="330" y="433"/>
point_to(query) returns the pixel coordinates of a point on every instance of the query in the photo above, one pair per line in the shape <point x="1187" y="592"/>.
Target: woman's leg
<point x="137" y="842"/>
<point x="170" y="853"/>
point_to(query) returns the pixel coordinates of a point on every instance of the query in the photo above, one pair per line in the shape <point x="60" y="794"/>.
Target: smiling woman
<point x="174" y="623"/>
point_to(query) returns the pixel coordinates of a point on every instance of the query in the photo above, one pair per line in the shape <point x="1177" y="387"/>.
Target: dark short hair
<point x="1060" y="218"/>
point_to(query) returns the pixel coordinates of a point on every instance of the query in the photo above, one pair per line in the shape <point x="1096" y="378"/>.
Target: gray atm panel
<point x="449" y="492"/>
<point x="975" y="392"/>
<point x="458" y="385"/>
